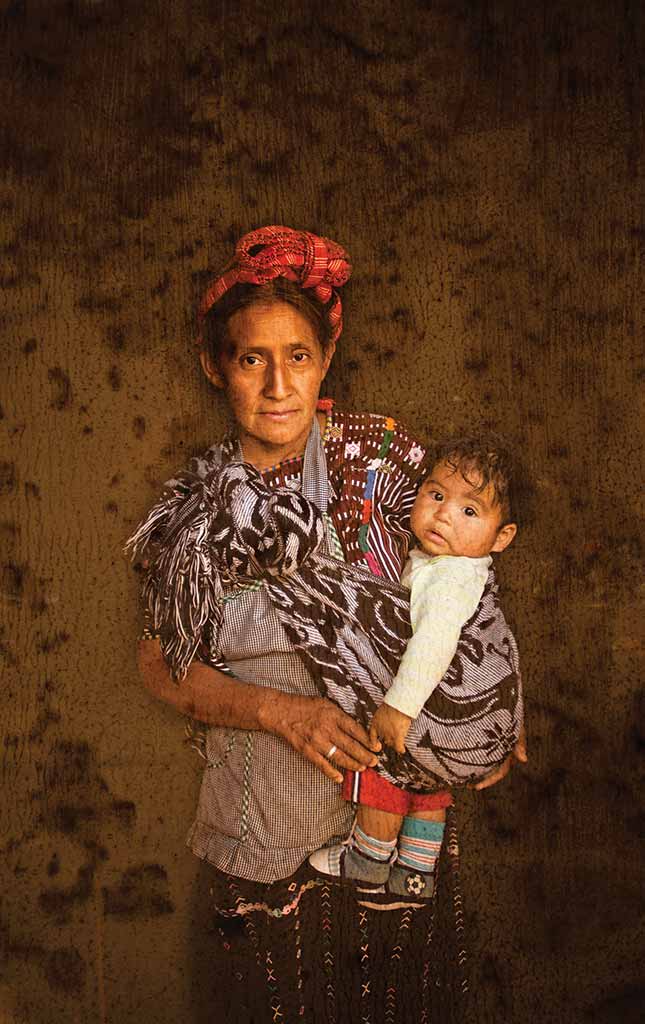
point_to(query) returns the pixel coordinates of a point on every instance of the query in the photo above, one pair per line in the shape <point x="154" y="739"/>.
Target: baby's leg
<point x="419" y="846"/>
<point x="383" y="825"/>
<point x="366" y="857"/>
<point x="373" y="841"/>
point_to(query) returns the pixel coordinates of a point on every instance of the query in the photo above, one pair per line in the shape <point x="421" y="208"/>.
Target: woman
<point x="289" y="945"/>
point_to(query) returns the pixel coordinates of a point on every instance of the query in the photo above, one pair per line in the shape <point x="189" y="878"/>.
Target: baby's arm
<point x="390" y="727"/>
<point x="445" y="594"/>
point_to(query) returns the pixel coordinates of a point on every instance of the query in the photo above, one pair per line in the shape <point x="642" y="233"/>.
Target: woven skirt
<point x="307" y="950"/>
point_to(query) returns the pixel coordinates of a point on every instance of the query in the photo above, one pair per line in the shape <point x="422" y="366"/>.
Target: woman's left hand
<point x="519" y="754"/>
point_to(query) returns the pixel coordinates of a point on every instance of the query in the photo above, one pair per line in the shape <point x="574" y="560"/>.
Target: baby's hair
<point x="489" y="459"/>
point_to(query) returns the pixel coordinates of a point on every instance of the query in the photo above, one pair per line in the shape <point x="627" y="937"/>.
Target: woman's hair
<point x="489" y="459"/>
<point x="241" y="296"/>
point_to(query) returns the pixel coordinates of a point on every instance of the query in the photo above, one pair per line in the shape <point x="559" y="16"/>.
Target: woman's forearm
<point x="207" y="694"/>
<point x="313" y="726"/>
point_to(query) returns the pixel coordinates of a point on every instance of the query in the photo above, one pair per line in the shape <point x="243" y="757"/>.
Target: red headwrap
<point x="299" y="256"/>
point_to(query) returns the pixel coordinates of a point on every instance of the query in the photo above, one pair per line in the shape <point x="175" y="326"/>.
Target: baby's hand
<point x="391" y="726"/>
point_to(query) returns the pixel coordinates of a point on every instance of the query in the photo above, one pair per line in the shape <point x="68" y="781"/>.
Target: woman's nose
<point x="277" y="383"/>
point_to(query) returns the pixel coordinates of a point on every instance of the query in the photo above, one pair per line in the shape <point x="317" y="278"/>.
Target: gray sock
<point x="365" y="869"/>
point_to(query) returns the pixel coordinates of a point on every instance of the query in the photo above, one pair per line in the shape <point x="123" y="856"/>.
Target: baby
<point x="463" y="513"/>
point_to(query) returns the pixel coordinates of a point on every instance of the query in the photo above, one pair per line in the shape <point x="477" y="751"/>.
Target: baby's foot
<point x="344" y="863"/>
<point x="405" y="881"/>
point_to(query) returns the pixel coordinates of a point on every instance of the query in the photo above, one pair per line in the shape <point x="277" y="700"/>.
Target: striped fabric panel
<point x="418" y="853"/>
<point x="377" y="849"/>
<point x="353" y="443"/>
<point x="424" y="845"/>
<point x="416" y="860"/>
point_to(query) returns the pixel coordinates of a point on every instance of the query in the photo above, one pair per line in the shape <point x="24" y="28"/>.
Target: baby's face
<point x="451" y="517"/>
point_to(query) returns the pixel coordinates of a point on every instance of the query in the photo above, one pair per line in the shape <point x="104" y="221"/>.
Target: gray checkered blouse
<point x="262" y="806"/>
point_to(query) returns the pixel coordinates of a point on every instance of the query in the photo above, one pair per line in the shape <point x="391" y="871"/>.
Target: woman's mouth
<point x="280" y="417"/>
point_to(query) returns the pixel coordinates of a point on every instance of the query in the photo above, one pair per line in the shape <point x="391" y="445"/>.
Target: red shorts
<point x="370" y="788"/>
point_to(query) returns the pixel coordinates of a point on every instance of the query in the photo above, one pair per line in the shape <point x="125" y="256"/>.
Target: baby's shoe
<point x="344" y="863"/>
<point x="405" y="881"/>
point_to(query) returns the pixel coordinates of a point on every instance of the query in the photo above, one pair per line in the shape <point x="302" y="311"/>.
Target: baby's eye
<point x="436" y="495"/>
<point x="469" y="511"/>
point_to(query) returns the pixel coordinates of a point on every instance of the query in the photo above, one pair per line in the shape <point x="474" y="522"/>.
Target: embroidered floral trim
<point x="416" y="454"/>
<point x="240" y="589"/>
<point x="352" y="449"/>
<point x="328" y="952"/>
<point x="242" y="909"/>
<point x="376" y="465"/>
<point x="334" y="540"/>
<point x="246" y="787"/>
<point x="196" y="738"/>
<point x="326" y="405"/>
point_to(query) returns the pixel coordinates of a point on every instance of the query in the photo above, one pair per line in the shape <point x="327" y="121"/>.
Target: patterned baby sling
<point x="221" y="527"/>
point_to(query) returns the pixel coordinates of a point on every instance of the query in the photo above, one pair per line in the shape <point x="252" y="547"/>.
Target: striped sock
<point x="373" y="849"/>
<point x="419" y="844"/>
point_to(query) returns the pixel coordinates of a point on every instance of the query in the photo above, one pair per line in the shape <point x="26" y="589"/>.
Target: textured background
<point x="483" y="163"/>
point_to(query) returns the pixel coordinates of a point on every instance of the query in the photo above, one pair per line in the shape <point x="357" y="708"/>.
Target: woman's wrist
<point x="270" y="709"/>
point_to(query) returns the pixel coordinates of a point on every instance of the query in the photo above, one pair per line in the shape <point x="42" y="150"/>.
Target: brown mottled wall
<point x="483" y="163"/>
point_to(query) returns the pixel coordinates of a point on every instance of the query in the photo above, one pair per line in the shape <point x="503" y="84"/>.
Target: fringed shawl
<point x="349" y="627"/>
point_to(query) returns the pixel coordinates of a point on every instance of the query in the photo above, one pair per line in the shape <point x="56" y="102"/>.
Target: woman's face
<point x="271" y="373"/>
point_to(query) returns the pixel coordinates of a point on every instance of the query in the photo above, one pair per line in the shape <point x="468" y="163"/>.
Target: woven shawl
<point x="209" y="534"/>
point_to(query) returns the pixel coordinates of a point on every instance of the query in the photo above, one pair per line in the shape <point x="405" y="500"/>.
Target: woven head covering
<point x="309" y="260"/>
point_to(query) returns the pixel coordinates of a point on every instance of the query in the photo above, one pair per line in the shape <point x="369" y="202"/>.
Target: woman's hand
<point x="519" y="754"/>
<point x="390" y="726"/>
<point x="313" y="726"/>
